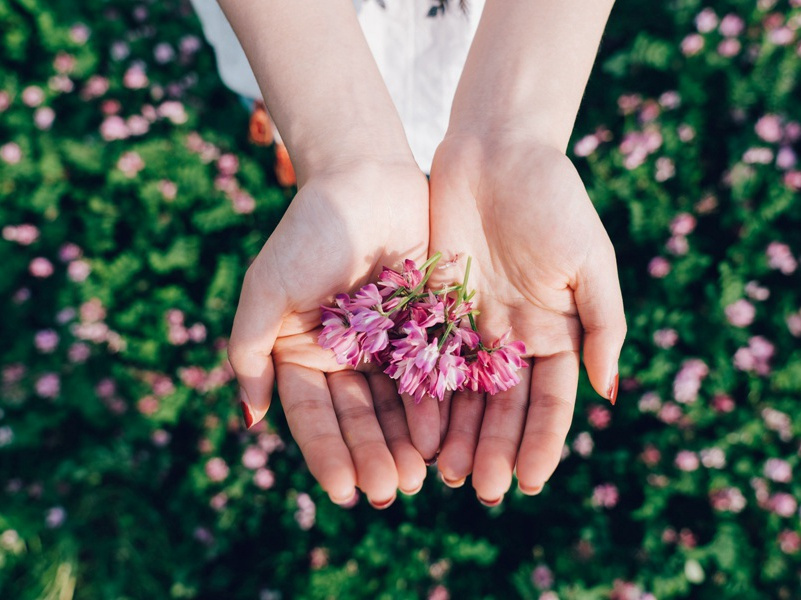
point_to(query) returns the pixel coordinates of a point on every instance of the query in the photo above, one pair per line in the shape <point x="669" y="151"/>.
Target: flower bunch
<point x="425" y="339"/>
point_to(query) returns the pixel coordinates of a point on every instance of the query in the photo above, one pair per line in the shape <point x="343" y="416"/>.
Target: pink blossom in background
<point x="731" y="25"/>
<point x="650" y="402"/>
<point x="779" y="422"/>
<point x="78" y="353"/>
<point x="228" y="164"/>
<point x="192" y="377"/>
<point x="781" y="36"/>
<point x="786" y="158"/>
<point x="651" y="455"/>
<point x="706" y="20"/>
<point x="78" y="270"/>
<point x="95" y="87"/>
<point x="204" y="536"/>
<point x="61" y="83"/>
<point x="670" y="100"/>
<point x="135" y="78"/>
<point x="217" y="469"/>
<point x="21" y="295"/>
<point x="628" y="103"/>
<point x="670" y="413"/>
<point x="605" y="495"/>
<point x="137" y="125"/>
<point x="769" y="128"/>
<point x="160" y="438"/>
<point x="174" y="112"/>
<point x="114" y="128"/>
<point x="781" y="257"/>
<point x="789" y="541"/>
<point x="794" y="324"/>
<point x="756" y="292"/>
<point x="692" y="44"/>
<point x="583" y="445"/>
<point x="729" y="47"/>
<point x="723" y="403"/>
<point x="599" y="417"/>
<point x="149" y="405"/>
<point x="782" y="504"/>
<point x="586" y="145"/>
<point x="79" y="33"/>
<point x="264" y="479"/>
<point x="688" y="380"/>
<point x="40" y="267"/>
<point x="11" y="153"/>
<point x="168" y="189"/>
<point x="758" y="156"/>
<point x="130" y="163"/>
<point x="163" y="53"/>
<point x="162" y="386"/>
<point x="46" y="340"/>
<point x="219" y="501"/>
<point x="542" y="577"/>
<point x="64" y="62"/>
<point x="43" y="118"/>
<point x="439" y="592"/>
<point x="659" y="267"/>
<point x="686" y="132"/>
<point x="68" y="252"/>
<point x="13" y="373"/>
<point x="792" y="131"/>
<point x="197" y="332"/>
<point x="190" y="44"/>
<point x="665" y="169"/>
<point x="32" y="96"/>
<point x="24" y="234"/>
<point x="677" y="245"/>
<point x="5" y="100"/>
<point x="740" y="313"/>
<point x="778" y="470"/>
<point x="270" y="442"/>
<point x="110" y="107"/>
<point x="254" y="457"/>
<point x="48" y="385"/>
<point x="683" y="224"/>
<point x="55" y="517"/>
<point x="792" y="179"/>
<point x="243" y="202"/>
<point x="666" y="338"/>
<point x="687" y="461"/>
<point x="649" y="111"/>
<point x="728" y="499"/>
<point x="713" y="458"/>
<point x="306" y="513"/>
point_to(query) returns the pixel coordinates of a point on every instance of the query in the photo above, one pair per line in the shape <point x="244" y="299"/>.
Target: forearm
<point x="319" y="81"/>
<point x="527" y="68"/>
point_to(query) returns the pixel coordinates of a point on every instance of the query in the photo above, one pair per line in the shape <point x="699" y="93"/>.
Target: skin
<point x="501" y="191"/>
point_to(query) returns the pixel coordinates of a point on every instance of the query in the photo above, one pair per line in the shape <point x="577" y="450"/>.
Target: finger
<point x="423" y="421"/>
<point x="445" y="413"/>
<point x="376" y="475"/>
<point x="313" y="423"/>
<point x="392" y="419"/>
<point x="256" y="325"/>
<point x="554" y="380"/>
<point x="456" y="457"/>
<point x="600" y="306"/>
<point x="499" y="441"/>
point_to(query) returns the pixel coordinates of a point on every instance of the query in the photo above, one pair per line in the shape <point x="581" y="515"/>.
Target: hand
<point x="342" y="227"/>
<point x="543" y="266"/>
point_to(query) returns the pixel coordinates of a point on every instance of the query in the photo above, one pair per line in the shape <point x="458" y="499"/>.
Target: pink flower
<point x="78" y="353"/>
<point x="32" y="96"/>
<point x="24" y="234"/>
<point x="729" y="47"/>
<point x="264" y="479"/>
<point x="786" y="158"/>
<point x="79" y="33"/>
<point x="756" y="292"/>
<point x="666" y="338"/>
<point x="713" y="458"/>
<point x="586" y="145"/>
<point x="651" y="455"/>
<point x="48" y="385"/>
<point x="706" y="20"/>
<point x="542" y="577"/>
<point x="665" y="169"/>
<point x="190" y="44"/>
<point x="228" y="165"/>
<point x="496" y="368"/>
<point x="692" y="44"/>
<point x="740" y="313"/>
<point x="723" y="403"/>
<point x="781" y="36"/>
<point x="55" y="517"/>
<point x="372" y="327"/>
<point x="137" y="125"/>
<point x="168" y="189"/>
<point x="40" y="267"/>
<point x="731" y="25"/>
<point x="254" y="458"/>
<point x="758" y="156"/>
<point x="135" y="78"/>
<point x="5" y="101"/>
<point x="778" y="470"/>
<point x="216" y="469"/>
<point x="409" y="279"/>
<point x="599" y="417"/>
<point x="683" y="224"/>
<point x="688" y="380"/>
<point x="450" y="375"/>
<point x="46" y="340"/>
<point x="605" y="495"/>
<point x="755" y="357"/>
<point x="670" y="413"/>
<point x="338" y="336"/>
<point x="583" y="444"/>
<point x="43" y="118"/>
<point x="687" y="461"/>
<point x="243" y="203"/>
<point x="78" y="270"/>
<point x="306" y="513"/>
<point x="794" y="324"/>
<point x="149" y="405"/>
<point x="659" y="267"/>
<point x="789" y="541"/>
<point x="219" y="501"/>
<point x="769" y="128"/>
<point x="728" y="499"/>
<point x="413" y="359"/>
<point x="114" y="128"/>
<point x="686" y="133"/>
<point x="130" y="163"/>
<point x="11" y="153"/>
<point x="780" y="257"/>
<point x="95" y="87"/>
<point x="677" y="245"/>
<point x="650" y="402"/>
<point x="782" y="504"/>
<point x="163" y="53"/>
<point x="174" y="112"/>
<point x="792" y="179"/>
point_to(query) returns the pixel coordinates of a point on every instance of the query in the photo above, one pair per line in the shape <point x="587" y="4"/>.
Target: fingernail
<point x="452" y="483"/>
<point x="529" y="491"/>
<point x="612" y="393"/>
<point x="346" y="502"/>
<point x="382" y="505"/>
<point x="490" y="503"/>
<point x="430" y="461"/>
<point x="414" y="491"/>
<point x="247" y="415"/>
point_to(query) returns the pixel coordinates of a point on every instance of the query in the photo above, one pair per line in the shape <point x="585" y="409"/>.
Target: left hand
<point x="542" y="266"/>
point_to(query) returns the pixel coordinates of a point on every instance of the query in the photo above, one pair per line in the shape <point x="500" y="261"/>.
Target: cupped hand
<point x="341" y="228"/>
<point x="544" y="267"/>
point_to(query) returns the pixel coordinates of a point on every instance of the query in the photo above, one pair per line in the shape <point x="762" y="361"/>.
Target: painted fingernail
<point x="529" y="491"/>
<point x="612" y="393"/>
<point x="490" y="503"/>
<point x="430" y="461"/>
<point x="247" y="415"/>
<point x="452" y="483"/>
<point x="347" y="502"/>
<point x="382" y="505"/>
<point x="414" y="491"/>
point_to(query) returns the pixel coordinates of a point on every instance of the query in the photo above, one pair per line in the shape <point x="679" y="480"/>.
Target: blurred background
<point x="131" y="201"/>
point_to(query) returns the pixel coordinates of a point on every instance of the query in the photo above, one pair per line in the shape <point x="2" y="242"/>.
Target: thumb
<point x="600" y="307"/>
<point x="256" y="325"/>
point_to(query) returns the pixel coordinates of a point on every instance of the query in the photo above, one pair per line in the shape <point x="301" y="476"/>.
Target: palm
<point x="532" y="233"/>
<point x="337" y="234"/>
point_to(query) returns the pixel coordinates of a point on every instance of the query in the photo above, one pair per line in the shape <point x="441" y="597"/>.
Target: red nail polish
<point x="612" y="393"/>
<point x="490" y="503"/>
<point x="246" y="414"/>
<point x="529" y="491"/>
<point x="380" y="505"/>
<point x="430" y="461"/>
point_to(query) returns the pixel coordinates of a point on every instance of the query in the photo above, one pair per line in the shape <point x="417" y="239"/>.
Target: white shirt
<point x="419" y="57"/>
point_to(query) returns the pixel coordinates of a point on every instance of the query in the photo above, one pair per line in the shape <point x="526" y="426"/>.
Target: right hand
<point x="342" y="227"/>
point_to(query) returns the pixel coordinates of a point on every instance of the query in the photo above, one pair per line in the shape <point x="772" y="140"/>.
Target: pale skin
<point x="501" y="191"/>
